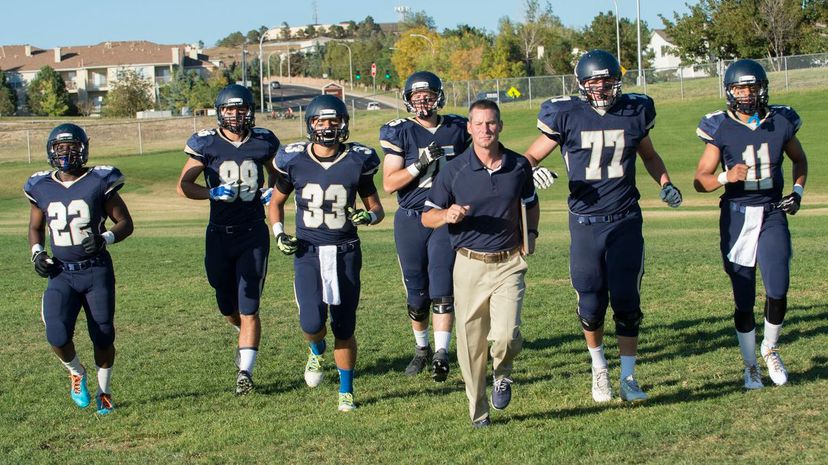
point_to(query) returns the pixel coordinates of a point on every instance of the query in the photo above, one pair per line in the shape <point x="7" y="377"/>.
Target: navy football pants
<point x="236" y="264"/>
<point x="426" y="258"/>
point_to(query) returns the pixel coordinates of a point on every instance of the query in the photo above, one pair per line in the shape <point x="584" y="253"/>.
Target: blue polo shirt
<point x="493" y="220"/>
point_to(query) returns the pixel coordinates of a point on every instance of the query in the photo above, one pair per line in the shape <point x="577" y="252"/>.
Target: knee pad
<point x="743" y="321"/>
<point x="442" y="305"/>
<point x="102" y="335"/>
<point x="592" y="323"/>
<point x="628" y="323"/>
<point x="418" y="313"/>
<point x="775" y="310"/>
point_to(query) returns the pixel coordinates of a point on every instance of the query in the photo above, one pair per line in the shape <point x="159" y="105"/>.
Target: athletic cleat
<point x="630" y="391"/>
<point x="480" y="424"/>
<point x="313" y="370"/>
<point x="601" y="389"/>
<point x="418" y="363"/>
<point x="502" y="393"/>
<point x="346" y="402"/>
<point x="440" y="366"/>
<point x="78" y="391"/>
<point x="753" y="377"/>
<point x="776" y="369"/>
<point x="104" y="402"/>
<point x="244" y="383"/>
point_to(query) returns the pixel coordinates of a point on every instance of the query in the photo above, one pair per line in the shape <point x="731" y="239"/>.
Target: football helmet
<point x="423" y="80"/>
<point x="747" y="72"/>
<point x="71" y="156"/>
<point x="595" y="65"/>
<point x="327" y="107"/>
<point x="234" y="96"/>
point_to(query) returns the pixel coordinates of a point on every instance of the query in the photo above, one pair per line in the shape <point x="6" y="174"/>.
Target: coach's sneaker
<point x="422" y="355"/>
<point x="346" y="402"/>
<point x="440" y="366"/>
<point x="104" y="403"/>
<point x="753" y="378"/>
<point x="776" y="369"/>
<point x="601" y="390"/>
<point x="502" y="393"/>
<point x="244" y="383"/>
<point x="630" y="391"/>
<point x="313" y="370"/>
<point x="78" y="391"/>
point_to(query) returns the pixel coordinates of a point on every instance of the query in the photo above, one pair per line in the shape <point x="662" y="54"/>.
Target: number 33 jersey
<point x="599" y="149"/>
<point x="324" y="189"/>
<point x="760" y="148"/>
<point x="241" y="165"/>
<point x="74" y="209"/>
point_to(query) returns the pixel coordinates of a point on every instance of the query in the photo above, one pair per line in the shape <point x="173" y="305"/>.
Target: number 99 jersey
<point x="324" y="189"/>
<point x="239" y="165"/>
<point x="599" y="149"/>
<point x="760" y="149"/>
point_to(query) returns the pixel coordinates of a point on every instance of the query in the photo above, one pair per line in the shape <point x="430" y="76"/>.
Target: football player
<point x="327" y="174"/>
<point x="234" y="158"/>
<point x="415" y="149"/>
<point x="75" y="201"/>
<point x="600" y="132"/>
<point x="747" y="141"/>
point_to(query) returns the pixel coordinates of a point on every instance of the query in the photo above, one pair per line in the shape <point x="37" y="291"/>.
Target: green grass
<point x="174" y="375"/>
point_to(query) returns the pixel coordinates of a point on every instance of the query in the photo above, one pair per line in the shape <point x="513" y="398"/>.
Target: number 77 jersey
<point x="599" y="149"/>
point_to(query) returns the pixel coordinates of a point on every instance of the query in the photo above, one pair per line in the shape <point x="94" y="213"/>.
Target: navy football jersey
<point x="760" y="149"/>
<point x="599" y="150"/>
<point x="241" y="164"/>
<point x="325" y="188"/>
<point x="408" y="139"/>
<point x="73" y="209"/>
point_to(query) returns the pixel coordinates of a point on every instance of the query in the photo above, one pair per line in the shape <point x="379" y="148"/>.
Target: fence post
<point x="194" y="124"/>
<point x="29" y="145"/>
<point x="497" y="89"/>
<point x="681" y="81"/>
<point x="140" y="140"/>
<point x="563" y="84"/>
<point x="530" y="91"/>
<point x="453" y="94"/>
<point x="786" y="71"/>
<point x="719" y="76"/>
<point x="301" y="119"/>
<point x="353" y="112"/>
<point x="397" y="98"/>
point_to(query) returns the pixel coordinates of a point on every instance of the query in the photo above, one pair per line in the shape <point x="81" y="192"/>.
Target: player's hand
<point x="543" y="177"/>
<point x="43" y="265"/>
<point x="287" y="244"/>
<point x="790" y="203"/>
<point x="224" y="193"/>
<point x="93" y="244"/>
<point x="737" y="173"/>
<point x="358" y="216"/>
<point x="432" y="153"/>
<point x="267" y="193"/>
<point x="670" y="195"/>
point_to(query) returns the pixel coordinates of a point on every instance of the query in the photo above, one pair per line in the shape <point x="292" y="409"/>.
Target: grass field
<point x="174" y="373"/>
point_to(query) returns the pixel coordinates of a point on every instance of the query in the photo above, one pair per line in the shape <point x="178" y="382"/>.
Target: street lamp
<point x="270" y="80"/>
<point x="642" y="80"/>
<point x="617" y="33"/>
<point x="427" y="40"/>
<point x="350" y="64"/>
<point x="261" y="74"/>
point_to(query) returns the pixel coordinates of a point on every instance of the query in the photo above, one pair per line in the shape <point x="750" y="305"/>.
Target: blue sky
<point x="188" y="21"/>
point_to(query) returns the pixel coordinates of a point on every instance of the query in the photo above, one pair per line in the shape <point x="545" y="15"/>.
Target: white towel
<point x="327" y="269"/>
<point x="744" y="250"/>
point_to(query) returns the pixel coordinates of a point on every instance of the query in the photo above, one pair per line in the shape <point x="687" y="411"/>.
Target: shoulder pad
<point x="648" y="103"/>
<point x="268" y="136"/>
<point x="548" y="114"/>
<point x="789" y="114"/>
<point x="709" y="125"/>
<point x="197" y="142"/>
<point x="33" y="180"/>
<point x="370" y="160"/>
<point x="389" y="136"/>
<point x="288" y="153"/>
<point x="452" y="119"/>
<point x="112" y="177"/>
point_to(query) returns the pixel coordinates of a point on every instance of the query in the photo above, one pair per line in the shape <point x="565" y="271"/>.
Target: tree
<point x="504" y="59"/>
<point x="336" y="31"/>
<point x="47" y="95"/>
<point x="367" y="27"/>
<point x="129" y="94"/>
<point x="8" y="97"/>
<point x="418" y="20"/>
<point x="254" y="35"/>
<point x="310" y="31"/>
<point x="600" y="34"/>
<point x="174" y="95"/>
<point x="235" y="39"/>
<point x="285" y="31"/>
<point x="532" y="32"/>
<point x="778" y="21"/>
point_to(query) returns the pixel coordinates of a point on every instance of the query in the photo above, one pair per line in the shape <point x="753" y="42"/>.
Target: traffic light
<point x="387" y="74"/>
<point x="357" y="75"/>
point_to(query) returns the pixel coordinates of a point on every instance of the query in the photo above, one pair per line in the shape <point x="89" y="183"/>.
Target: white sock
<point x="442" y="339"/>
<point x="421" y="338"/>
<point x="247" y="360"/>
<point x="627" y="366"/>
<point x="74" y="366"/>
<point x="104" y="375"/>
<point x="771" y="334"/>
<point x="747" y="345"/>
<point x="599" y="360"/>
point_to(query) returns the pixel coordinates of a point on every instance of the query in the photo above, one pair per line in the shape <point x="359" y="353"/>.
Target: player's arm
<point x="705" y="179"/>
<point x="374" y="207"/>
<point x="282" y="188"/>
<point x="652" y="161"/>
<point x="187" y="186"/>
<point x="793" y="148"/>
<point x="540" y="149"/>
<point x="373" y="212"/>
<point x="118" y="212"/>
<point x="394" y="174"/>
<point x="37" y="227"/>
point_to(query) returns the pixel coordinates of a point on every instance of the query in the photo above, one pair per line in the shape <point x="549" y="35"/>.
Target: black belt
<point x="235" y="228"/>
<point x="410" y="212"/>
<point x="586" y="219"/>
<point x="346" y="247"/>
<point x="488" y="257"/>
<point x="740" y="207"/>
<point x="78" y="266"/>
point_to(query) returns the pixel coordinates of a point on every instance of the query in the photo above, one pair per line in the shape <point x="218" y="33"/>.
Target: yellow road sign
<point x="513" y="92"/>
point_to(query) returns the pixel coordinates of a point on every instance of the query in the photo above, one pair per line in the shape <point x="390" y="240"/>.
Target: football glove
<point x="432" y="153"/>
<point x="43" y="265"/>
<point x="543" y="177"/>
<point x="93" y="244"/>
<point x="224" y="193"/>
<point x="287" y="244"/>
<point x="358" y="216"/>
<point x="670" y="195"/>
<point x="267" y="193"/>
<point x="790" y="203"/>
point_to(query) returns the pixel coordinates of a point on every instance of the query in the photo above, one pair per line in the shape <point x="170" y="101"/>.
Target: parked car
<point x="373" y="106"/>
<point x="275" y="85"/>
<point x="493" y="95"/>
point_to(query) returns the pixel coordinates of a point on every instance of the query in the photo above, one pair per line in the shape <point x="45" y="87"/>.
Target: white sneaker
<point x="630" y="391"/>
<point x="776" y="369"/>
<point x="601" y="389"/>
<point x="753" y="377"/>
<point x="313" y="370"/>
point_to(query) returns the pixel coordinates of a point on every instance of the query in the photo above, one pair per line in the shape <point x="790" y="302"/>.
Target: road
<point x="293" y="96"/>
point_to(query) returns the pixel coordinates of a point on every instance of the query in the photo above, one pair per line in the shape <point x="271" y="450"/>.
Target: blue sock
<point x="318" y="348"/>
<point x="346" y="380"/>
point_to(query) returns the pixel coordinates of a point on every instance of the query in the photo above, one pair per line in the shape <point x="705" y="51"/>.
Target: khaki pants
<point x="488" y="298"/>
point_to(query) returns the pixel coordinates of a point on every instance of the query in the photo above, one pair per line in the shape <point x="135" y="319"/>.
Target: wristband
<point x="722" y="178"/>
<point x="413" y="170"/>
<point x="36" y="249"/>
<point x="799" y="189"/>
<point x="533" y="231"/>
<point x="278" y="228"/>
<point x="373" y="217"/>
<point x="109" y="237"/>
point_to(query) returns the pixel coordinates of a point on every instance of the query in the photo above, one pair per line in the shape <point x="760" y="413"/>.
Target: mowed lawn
<point x="174" y="375"/>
